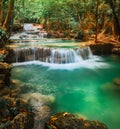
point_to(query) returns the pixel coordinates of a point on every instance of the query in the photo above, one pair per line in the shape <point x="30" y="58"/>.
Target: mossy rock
<point x="66" y="120"/>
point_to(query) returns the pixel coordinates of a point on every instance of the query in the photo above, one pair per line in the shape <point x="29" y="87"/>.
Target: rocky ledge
<point x="66" y="120"/>
<point x="105" y="48"/>
<point x="5" y="66"/>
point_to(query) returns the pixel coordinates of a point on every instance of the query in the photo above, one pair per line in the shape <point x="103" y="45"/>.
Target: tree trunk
<point x="116" y="20"/>
<point x="8" y="18"/>
<point x="96" y="17"/>
<point x="1" y="13"/>
<point x="76" y="11"/>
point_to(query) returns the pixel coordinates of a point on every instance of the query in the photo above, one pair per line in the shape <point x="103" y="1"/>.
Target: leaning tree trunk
<point x="9" y="15"/>
<point x="96" y="18"/>
<point x="1" y="13"/>
<point x="116" y="20"/>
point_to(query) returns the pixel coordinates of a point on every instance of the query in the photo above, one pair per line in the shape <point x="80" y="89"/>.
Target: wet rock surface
<point x="5" y="74"/>
<point x="28" y="31"/>
<point x="15" y="114"/>
<point x="102" y="48"/>
<point x="105" y="48"/>
<point x="116" y="49"/>
<point x="69" y="121"/>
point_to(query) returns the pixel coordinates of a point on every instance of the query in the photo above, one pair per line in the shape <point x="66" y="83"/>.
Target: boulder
<point x="66" y="120"/>
<point x="15" y="114"/>
<point x="23" y="121"/>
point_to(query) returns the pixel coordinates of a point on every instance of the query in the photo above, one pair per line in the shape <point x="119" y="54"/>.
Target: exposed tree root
<point x="104" y="38"/>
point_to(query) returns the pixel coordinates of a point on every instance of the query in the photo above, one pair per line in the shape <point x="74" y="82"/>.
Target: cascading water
<point x="34" y="52"/>
<point x="90" y="88"/>
<point x="62" y="56"/>
<point x="65" y="56"/>
<point x="52" y="55"/>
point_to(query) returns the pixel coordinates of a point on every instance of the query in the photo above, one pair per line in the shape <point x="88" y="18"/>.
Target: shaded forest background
<point x="98" y="19"/>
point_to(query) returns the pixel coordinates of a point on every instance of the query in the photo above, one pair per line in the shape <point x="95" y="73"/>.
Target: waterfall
<point x="52" y="55"/>
<point x="63" y="56"/>
<point x="86" y="53"/>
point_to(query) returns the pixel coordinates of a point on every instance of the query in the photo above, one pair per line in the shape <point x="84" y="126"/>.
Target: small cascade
<point x="85" y="53"/>
<point x="30" y="32"/>
<point x="64" y="56"/>
<point x="52" y="55"/>
<point x="24" y="54"/>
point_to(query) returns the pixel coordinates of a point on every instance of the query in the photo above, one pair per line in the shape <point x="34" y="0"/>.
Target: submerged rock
<point x="69" y="121"/>
<point x="113" y="86"/>
<point x="116" y="81"/>
<point x="41" y="105"/>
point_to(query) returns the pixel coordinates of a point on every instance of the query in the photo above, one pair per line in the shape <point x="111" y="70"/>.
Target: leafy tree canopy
<point x="90" y="16"/>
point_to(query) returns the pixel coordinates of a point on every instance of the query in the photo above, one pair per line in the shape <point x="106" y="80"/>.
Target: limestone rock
<point x="69" y="121"/>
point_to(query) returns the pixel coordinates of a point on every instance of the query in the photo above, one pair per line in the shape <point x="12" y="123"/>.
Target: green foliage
<point x="2" y="56"/>
<point x="3" y="38"/>
<point x="28" y="10"/>
<point x="65" y="15"/>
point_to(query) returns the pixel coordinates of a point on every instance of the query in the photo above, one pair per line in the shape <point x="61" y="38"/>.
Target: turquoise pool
<point x="84" y="88"/>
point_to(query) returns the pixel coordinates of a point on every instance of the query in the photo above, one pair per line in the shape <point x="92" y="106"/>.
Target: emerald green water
<point x="87" y="89"/>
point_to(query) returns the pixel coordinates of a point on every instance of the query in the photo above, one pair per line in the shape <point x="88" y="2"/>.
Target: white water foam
<point x="95" y="63"/>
